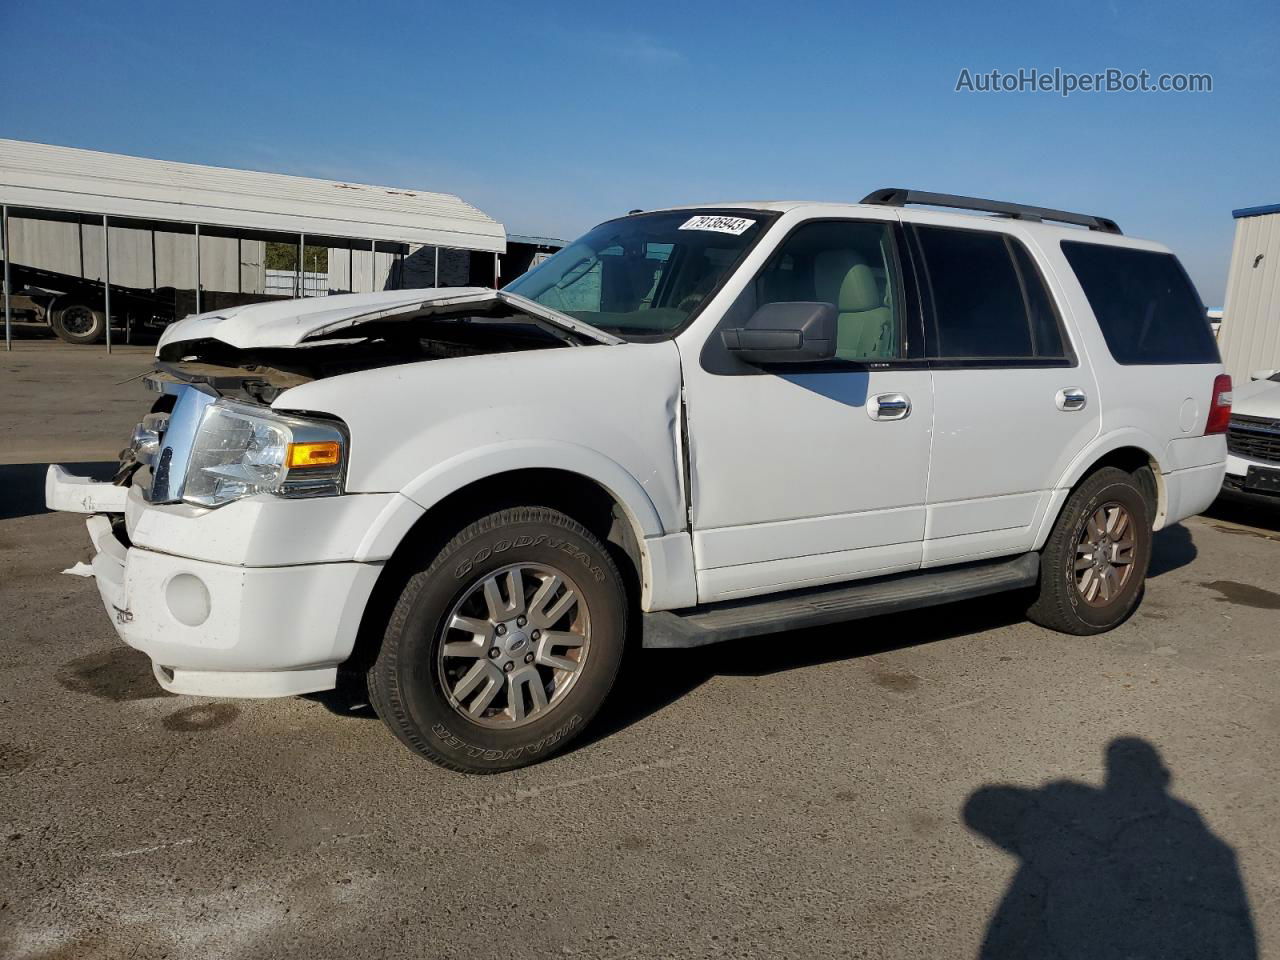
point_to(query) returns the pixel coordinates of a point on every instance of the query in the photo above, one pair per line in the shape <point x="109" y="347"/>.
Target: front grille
<point x="1255" y="438"/>
<point x="175" y="444"/>
<point x="159" y="489"/>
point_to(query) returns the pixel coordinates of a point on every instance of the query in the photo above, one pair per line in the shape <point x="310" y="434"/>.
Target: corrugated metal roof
<point x="64" y="178"/>
<point x="1256" y="211"/>
<point x="536" y="241"/>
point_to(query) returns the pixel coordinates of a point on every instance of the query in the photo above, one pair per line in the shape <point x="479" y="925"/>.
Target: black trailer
<point x="76" y="308"/>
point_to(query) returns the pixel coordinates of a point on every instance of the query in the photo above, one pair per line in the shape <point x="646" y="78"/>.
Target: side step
<point x="732" y="619"/>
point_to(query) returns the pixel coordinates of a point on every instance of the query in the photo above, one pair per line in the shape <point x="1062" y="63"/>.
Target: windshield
<point x="645" y="273"/>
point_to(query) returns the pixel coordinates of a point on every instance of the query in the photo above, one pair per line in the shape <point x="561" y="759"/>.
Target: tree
<point x="284" y="256"/>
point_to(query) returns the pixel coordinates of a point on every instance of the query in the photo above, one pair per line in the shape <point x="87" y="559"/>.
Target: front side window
<point x="1145" y="304"/>
<point x="645" y="273"/>
<point x="851" y="265"/>
<point x="989" y="300"/>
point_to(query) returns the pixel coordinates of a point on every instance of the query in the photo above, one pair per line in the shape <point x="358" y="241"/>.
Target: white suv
<point x="688" y="426"/>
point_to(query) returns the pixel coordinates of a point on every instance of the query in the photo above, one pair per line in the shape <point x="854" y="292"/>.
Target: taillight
<point x="1219" y="406"/>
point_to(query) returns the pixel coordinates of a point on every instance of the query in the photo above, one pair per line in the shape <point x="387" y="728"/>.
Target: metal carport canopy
<point x="39" y="176"/>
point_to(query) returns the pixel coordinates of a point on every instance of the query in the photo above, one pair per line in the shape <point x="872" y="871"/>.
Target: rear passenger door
<point x="1012" y="404"/>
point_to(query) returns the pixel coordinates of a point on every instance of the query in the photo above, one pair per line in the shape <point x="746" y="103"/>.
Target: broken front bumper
<point x="73" y="494"/>
<point x="218" y="629"/>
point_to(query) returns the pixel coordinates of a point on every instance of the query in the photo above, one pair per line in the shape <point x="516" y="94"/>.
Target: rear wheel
<point x="78" y="323"/>
<point x="1094" y="564"/>
<point x="503" y="647"/>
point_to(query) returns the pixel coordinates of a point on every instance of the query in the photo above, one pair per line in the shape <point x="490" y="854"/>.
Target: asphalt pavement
<point x="910" y="786"/>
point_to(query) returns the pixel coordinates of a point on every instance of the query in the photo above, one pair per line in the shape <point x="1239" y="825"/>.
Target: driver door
<point x="816" y="473"/>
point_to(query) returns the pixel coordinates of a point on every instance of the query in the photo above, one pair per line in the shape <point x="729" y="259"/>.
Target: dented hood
<point x="1261" y="398"/>
<point x="292" y="323"/>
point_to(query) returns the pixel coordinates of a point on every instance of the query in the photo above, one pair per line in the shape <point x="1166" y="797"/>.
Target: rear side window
<point x="1046" y="329"/>
<point x="1145" y="304"/>
<point x="989" y="300"/>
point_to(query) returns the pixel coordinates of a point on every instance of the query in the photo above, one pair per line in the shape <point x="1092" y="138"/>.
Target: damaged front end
<point x="253" y="354"/>
<point x="223" y="547"/>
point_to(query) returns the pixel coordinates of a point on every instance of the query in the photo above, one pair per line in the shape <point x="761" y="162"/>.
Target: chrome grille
<point x="1255" y="438"/>
<point x="170" y="468"/>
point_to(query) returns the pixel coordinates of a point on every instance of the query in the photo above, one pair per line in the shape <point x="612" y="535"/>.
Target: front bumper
<point x="220" y="629"/>
<point x="1233" y="482"/>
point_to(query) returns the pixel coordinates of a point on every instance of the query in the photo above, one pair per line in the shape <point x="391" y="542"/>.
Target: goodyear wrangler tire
<point x="1094" y="564"/>
<point x="504" y="645"/>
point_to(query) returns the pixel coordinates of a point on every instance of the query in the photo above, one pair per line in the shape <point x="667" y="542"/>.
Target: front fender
<point x="450" y="476"/>
<point x="425" y="430"/>
<point x="666" y="555"/>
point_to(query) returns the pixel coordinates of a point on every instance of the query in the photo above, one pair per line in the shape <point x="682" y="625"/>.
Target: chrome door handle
<point x="1071" y="398"/>
<point x="889" y="406"/>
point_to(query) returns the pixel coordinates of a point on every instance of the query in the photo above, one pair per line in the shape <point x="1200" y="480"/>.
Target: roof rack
<point x="898" y="197"/>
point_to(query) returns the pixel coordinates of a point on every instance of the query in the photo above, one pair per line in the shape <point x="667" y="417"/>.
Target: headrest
<point x="843" y="278"/>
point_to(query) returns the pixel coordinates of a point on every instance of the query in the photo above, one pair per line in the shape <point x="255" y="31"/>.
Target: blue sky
<point x="554" y="116"/>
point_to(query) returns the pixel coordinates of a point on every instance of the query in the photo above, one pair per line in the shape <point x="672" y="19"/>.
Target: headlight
<point x="241" y="450"/>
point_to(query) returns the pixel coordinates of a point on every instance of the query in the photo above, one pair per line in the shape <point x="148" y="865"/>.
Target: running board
<point x="732" y="619"/>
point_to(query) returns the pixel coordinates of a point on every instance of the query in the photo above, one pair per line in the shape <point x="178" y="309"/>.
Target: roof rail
<point x="899" y="197"/>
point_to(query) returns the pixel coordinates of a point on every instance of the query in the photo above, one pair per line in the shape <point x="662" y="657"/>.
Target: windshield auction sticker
<point x="734" y="225"/>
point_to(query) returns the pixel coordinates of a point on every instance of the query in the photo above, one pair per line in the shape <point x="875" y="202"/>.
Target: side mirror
<point x="791" y="332"/>
<point x="1262" y="374"/>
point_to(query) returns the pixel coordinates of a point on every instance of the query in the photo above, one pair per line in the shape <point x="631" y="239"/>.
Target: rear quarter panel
<point x="1160" y="408"/>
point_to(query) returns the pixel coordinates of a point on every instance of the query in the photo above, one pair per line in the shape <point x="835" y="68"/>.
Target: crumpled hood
<point x="292" y="323"/>
<point x="1261" y="398"/>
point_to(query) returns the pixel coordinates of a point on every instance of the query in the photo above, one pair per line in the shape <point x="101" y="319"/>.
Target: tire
<point x="78" y="323"/>
<point x="1084" y="601"/>
<point x="428" y="696"/>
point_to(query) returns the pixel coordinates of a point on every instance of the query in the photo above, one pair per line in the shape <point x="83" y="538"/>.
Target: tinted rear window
<point x="989" y="299"/>
<point x="1146" y="306"/>
<point x="977" y="295"/>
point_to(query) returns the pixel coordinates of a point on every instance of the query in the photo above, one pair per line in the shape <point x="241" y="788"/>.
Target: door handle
<point x="889" y="406"/>
<point x="1071" y="398"/>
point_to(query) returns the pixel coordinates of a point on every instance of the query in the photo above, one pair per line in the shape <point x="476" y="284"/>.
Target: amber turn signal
<point x="325" y="454"/>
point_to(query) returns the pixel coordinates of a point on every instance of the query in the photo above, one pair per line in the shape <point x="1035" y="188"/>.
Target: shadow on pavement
<point x="22" y="484"/>
<point x="1247" y="513"/>
<point x="1171" y="548"/>
<point x="1122" y="871"/>
<point x="653" y="679"/>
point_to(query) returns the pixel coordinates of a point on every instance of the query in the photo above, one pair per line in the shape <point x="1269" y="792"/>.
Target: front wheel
<point x="1094" y="564"/>
<point x="505" y="645"/>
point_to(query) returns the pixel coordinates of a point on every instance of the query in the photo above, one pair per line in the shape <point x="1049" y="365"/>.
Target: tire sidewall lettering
<point x="454" y="742"/>
<point x="573" y="550"/>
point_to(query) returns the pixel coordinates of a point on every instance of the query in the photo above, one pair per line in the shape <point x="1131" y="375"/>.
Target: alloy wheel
<point x="514" y="645"/>
<point x="1105" y="554"/>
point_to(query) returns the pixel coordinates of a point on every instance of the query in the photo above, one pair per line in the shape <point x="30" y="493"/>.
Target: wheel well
<point x="1143" y="466"/>
<point x="571" y="493"/>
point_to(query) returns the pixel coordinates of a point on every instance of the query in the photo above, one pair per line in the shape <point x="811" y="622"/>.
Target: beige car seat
<point x="864" y="322"/>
